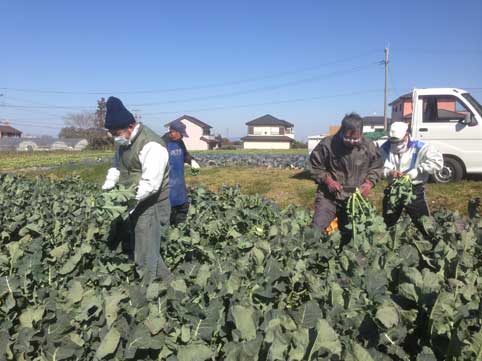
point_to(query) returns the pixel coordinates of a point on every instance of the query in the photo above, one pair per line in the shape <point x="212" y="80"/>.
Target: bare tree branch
<point x="83" y="120"/>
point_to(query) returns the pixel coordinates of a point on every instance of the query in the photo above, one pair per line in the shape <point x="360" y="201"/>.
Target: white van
<point x="451" y="120"/>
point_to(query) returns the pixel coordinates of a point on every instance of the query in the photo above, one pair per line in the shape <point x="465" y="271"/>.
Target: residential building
<point x="313" y="141"/>
<point x="370" y="124"/>
<point x="42" y="143"/>
<point x="199" y="134"/>
<point x="374" y="123"/>
<point x="6" y="130"/>
<point x="268" y="132"/>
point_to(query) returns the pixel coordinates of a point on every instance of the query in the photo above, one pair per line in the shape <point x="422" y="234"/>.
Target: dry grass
<point x="286" y="186"/>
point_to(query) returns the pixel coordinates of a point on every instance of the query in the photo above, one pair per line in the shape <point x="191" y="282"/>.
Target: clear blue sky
<point x="227" y="62"/>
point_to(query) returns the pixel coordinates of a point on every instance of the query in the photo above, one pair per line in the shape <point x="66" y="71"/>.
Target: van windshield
<point x="473" y="102"/>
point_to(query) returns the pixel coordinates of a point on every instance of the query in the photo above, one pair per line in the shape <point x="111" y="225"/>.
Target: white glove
<point x="194" y="164"/>
<point x="413" y="173"/>
<point x="108" y="184"/>
<point x="111" y="179"/>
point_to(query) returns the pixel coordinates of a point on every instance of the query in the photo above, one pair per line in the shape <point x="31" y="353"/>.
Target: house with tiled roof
<point x="7" y="131"/>
<point x="374" y="123"/>
<point x="269" y="132"/>
<point x="199" y="133"/>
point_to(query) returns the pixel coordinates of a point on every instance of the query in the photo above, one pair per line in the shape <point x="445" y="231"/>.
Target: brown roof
<point x="210" y="141"/>
<point x="375" y="120"/>
<point x="267" y="138"/>
<point x="407" y="96"/>
<point x="8" y="129"/>
<point x="333" y="129"/>
<point x="192" y="120"/>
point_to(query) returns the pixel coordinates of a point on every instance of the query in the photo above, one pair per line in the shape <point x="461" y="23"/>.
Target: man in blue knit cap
<point x="141" y="162"/>
<point x="178" y="155"/>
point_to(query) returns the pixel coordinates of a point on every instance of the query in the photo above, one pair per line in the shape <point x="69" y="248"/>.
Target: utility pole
<point x="385" y="120"/>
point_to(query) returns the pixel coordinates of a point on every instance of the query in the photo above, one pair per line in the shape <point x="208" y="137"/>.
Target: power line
<point x="444" y="51"/>
<point x="66" y="107"/>
<point x="213" y="96"/>
<point x="196" y="87"/>
<point x="260" y="89"/>
<point x="269" y="103"/>
<point x="286" y="101"/>
<point x="18" y="122"/>
<point x="42" y="112"/>
<point x="35" y="125"/>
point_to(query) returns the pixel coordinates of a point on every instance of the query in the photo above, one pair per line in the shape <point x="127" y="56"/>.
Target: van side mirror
<point x="468" y="120"/>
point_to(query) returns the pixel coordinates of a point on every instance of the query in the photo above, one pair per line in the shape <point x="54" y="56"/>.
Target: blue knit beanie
<point x="117" y="116"/>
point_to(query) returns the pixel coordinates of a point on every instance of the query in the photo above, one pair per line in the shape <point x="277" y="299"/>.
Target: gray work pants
<point x="148" y="225"/>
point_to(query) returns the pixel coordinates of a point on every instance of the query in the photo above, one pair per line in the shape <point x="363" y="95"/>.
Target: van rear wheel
<point x="451" y="172"/>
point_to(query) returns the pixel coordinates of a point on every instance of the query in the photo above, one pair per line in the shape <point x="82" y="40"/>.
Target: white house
<point x="44" y="143"/>
<point x="199" y="134"/>
<point x="374" y="123"/>
<point x="313" y="141"/>
<point x="268" y="132"/>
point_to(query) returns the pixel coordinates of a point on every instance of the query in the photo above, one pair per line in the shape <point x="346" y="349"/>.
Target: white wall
<point x="313" y="142"/>
<point x="270" y="131"/>
<point x="265" y="130"/>
<point x="81" y="145"/>
<point x="266" y="145"/>
<point x="369" y="129"/>
<point x="195" y="132"/>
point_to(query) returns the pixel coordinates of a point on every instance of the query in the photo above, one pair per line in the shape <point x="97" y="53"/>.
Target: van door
<point x="443" y="123"/>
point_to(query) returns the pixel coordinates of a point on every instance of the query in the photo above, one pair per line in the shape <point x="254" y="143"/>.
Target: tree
<point x="299" y="145"/>
<point x="83" y="120"/>
<point x="89" y="126"/>
<point x="97" y="137"/>
<point x="100" y="113"/>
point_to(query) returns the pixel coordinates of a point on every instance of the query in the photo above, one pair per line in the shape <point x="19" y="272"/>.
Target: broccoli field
<point x="252" y="282"/>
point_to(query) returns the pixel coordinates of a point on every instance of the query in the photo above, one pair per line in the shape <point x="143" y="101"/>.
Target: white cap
<point x="398" y="130"/>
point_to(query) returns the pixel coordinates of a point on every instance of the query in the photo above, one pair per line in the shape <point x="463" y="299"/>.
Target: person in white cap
<point x="404" y="155"/>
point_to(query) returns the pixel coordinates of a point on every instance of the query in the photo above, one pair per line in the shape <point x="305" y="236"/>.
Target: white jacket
<point x="154" y="159"/>
<point x="419" y="160"/>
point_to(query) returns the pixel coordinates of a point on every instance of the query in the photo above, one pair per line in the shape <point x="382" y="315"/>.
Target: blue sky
<point x="227" y="62"/>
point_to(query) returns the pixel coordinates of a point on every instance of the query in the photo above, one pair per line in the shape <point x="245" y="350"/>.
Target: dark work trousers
<point x="326" y="209"/>
<point x="416" y="209"/>
<point x="179" y="214"/>
<point x="148" y="225"/>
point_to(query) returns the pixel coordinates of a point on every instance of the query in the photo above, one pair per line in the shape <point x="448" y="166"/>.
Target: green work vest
<point x="130" y="165"/>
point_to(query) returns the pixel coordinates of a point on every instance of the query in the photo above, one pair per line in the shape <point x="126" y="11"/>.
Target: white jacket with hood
<point x="418" y="160"/>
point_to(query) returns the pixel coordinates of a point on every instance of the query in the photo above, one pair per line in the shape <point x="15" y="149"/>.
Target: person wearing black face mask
<point x="340" y="164"/>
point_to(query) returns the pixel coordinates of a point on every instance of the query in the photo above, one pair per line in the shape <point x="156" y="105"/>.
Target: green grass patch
<point x="21" y="160"/>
